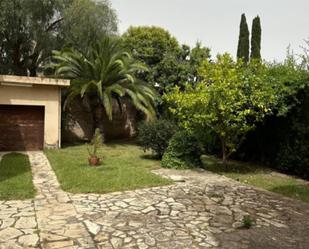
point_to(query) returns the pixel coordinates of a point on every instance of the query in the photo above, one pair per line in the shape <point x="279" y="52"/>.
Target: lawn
<point x="15" y="178"/>
<point x="261" y="177"/>
<point x="125" y="167"/>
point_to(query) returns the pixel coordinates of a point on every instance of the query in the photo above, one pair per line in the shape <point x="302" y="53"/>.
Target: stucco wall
<point x="38" y="95"/>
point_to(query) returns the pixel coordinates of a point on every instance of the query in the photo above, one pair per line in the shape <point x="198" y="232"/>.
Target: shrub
<point x="155" y="136"/>
<point x="184" y="151"/>
<point x="294" y="157"/>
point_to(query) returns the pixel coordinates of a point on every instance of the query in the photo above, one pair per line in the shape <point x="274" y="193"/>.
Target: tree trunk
<point x="32" y="71"/>
<point x="224" y="154"/>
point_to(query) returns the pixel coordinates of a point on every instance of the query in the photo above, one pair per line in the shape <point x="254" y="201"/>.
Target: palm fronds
<point x="106" y="71"/>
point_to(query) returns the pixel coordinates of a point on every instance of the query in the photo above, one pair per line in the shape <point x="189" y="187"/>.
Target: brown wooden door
<point x="21" y="128"/>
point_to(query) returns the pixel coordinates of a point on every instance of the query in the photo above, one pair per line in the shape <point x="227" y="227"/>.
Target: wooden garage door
<point x="21" y="128"/>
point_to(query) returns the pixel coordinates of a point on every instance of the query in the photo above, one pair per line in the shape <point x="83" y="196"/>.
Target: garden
<point x="162" y="145"/>
<point x="248" y="115"/>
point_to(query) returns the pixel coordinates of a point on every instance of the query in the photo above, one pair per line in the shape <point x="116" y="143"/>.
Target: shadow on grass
<point x="110" y="143"/>
<point x="150" y="157"/>
<point x="12" y="165"/>
<point x="214" y="164"/>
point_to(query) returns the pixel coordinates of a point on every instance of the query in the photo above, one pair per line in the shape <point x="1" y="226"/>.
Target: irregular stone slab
<point x="9" y="233"/>
<point x="29" y="240"/>
<point x="26" y="222"/>
<point x="92" y="227"/>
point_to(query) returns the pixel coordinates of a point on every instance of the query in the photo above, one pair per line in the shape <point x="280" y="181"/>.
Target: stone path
<point x="190" y="214"/>
<point x="201" y="210"/>
<point x="49" y="221"/>
<point x="18" y="226"/>
<point x="56" y="216"/>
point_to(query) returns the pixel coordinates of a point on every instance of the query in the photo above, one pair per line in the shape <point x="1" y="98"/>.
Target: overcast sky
<point x="216" y="22"/>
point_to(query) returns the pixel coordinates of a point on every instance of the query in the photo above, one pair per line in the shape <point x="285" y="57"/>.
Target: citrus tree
<point x="230" y="100"/>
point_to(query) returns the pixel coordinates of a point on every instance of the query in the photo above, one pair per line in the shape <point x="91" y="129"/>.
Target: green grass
<point x="124" y="167"/>
<point x="260" y="177"/>
<point x="15" y="177"/>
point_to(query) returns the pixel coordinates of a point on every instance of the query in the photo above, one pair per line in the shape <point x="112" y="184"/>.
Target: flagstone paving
<point x="201" y="210"/>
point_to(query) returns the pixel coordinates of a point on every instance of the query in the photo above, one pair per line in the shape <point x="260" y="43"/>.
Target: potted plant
<point x="96" y="143"/>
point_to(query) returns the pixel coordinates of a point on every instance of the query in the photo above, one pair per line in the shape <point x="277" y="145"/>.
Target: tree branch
<point x="53" y="24"/>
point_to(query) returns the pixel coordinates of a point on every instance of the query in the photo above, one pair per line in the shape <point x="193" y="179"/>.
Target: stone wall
<point x="78" y="122"/>
<point x="124" y="123"/>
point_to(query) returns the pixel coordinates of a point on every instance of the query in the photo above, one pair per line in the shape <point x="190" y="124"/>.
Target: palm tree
<point x="105" y="72"/>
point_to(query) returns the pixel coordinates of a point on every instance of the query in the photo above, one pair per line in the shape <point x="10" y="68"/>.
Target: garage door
<point x="21" y="128"/>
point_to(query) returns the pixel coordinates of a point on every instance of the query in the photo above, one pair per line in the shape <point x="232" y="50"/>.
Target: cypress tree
<point x="256" y="39"/>
<point x="243" y="40"/>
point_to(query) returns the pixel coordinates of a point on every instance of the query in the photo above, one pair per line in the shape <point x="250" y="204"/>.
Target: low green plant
<point x="155" y="136"/>
<point x="184" y="151"/>
<point x="96" y="143"/>
<point x="247" y="222"/>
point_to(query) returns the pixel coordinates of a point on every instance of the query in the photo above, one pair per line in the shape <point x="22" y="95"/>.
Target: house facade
<point x="30" y="112"/>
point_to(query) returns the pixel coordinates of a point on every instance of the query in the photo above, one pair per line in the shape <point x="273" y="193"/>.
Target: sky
<point x="215" y="23"/>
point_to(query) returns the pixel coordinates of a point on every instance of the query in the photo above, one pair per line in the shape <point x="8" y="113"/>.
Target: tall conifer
<point x="256" y="39"/>
<point x="243" y="41"/>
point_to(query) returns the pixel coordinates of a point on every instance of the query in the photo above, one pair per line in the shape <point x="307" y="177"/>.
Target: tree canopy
<point x="169" y="63"/>
<point x="230" y="100"/>
<point x="31" y="29"/>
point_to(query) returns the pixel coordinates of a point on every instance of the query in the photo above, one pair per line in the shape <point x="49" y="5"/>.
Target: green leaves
<point x="105" y="72"/>
<point x="31" y="29"/>
<point x="230" y="100"/>
<point x="169" y="63"/>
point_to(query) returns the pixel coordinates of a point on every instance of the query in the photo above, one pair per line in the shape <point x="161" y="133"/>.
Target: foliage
<point x="184" y="151"/>
<point x="96" y="143"/>
<point x="293" y="154"/>
<point x="87" y="21"/>
<point x="150" y="44"/>
<point x="247" y="221"/>
<point x="125" y="167"/>
<point x="31" y="29"/>
<point x="294" y="158"/>
<point x="106" y="71"/>
<point x="179" y="68"/>
<point x="281" y="140"/>
<point x="305" y="56"/>
<point x="169" y="63"/>
<point x="230" y="101"/>
<point x="155" y="135"/>
<point x="256" y="39"/>
<point x="289" y="79"/>
<point x="243" y="40"/>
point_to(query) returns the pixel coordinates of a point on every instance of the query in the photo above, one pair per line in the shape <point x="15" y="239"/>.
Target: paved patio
<point x="201" y="210"/>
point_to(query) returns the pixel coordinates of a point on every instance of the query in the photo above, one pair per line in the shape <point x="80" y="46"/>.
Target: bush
<point x="293" y="156"/>
<point x="155" y="136"/>
<point x="184" y="151"/>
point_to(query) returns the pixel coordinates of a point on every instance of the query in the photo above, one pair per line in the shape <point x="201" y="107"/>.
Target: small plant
<point x="96" y="143"/>
<point x="247" y="222"/>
